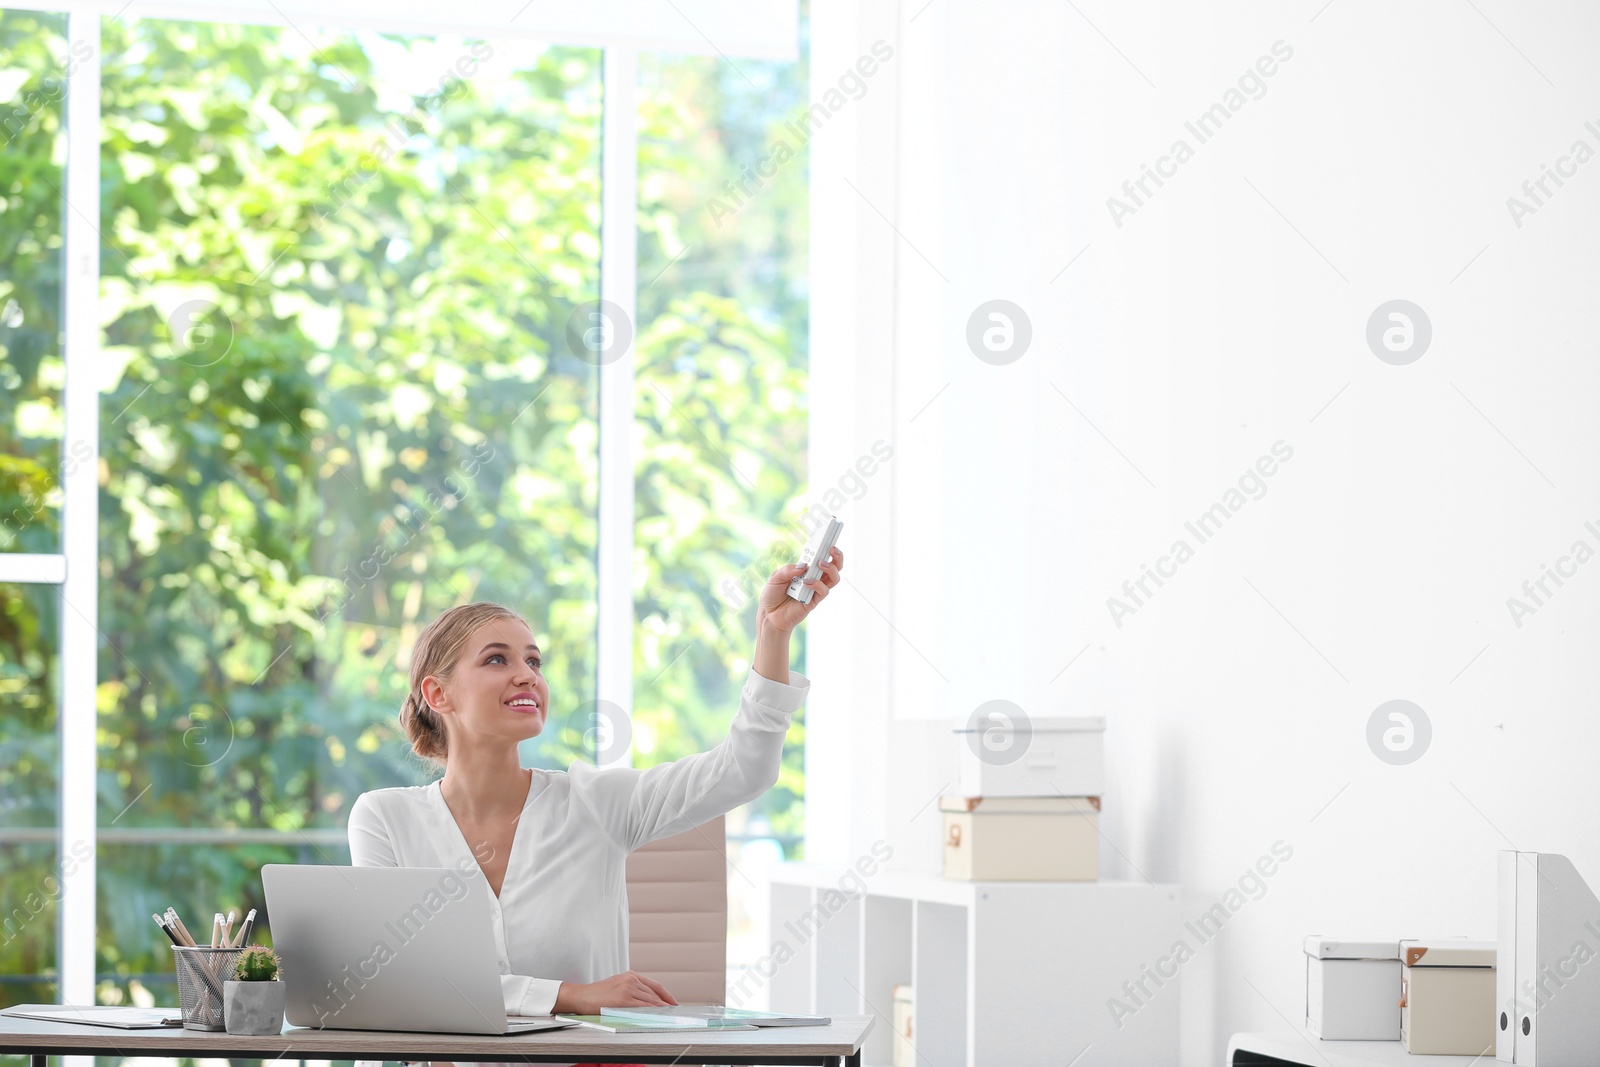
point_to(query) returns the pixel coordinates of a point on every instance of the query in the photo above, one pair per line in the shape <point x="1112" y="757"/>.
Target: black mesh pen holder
<point x="201" y="972"/>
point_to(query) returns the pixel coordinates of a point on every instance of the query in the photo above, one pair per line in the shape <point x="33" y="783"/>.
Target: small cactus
<point x="258" y="963"/>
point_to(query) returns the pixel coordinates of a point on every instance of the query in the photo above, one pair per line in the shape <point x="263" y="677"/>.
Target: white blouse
<point x="562" y="912"/>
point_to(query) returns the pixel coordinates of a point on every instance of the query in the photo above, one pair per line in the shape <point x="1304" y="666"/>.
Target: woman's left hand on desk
<point x="626" y="990"/>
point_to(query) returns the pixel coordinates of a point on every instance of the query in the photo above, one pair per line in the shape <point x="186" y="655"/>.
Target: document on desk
<point x="99" y="1015"/>
<point x="612" y="1024"/>
<point x="715" y="1014"/>
<point x="524" y="1024"/>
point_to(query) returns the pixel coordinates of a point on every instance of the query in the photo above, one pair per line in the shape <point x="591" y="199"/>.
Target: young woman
<point x="552" y="844"/>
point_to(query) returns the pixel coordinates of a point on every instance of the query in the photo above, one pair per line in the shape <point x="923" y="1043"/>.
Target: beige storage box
<point x="1352" y="989"/>
<point x="1060" y="755"/>
<point x="1447" y="997"/>
<point x="905" y="1054"/>
<point x="1021" y="839"/>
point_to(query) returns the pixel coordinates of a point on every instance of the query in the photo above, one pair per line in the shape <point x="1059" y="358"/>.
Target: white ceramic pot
<point x="253" y="1008"/>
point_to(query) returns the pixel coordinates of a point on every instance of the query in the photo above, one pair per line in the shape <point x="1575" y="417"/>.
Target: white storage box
<point x="1352" y="989"/>
<point x="1021" y="839"/>
<point x="1044" y="757"/>
<point x="1447" y="996"/>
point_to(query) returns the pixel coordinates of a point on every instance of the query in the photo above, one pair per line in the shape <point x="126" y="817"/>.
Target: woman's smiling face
<point x="498" y="688"/>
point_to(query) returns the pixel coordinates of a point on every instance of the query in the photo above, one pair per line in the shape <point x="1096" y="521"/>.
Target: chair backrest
<point x="678" y="913"/>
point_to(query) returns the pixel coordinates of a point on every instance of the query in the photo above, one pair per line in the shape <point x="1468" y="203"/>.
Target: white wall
<point x="1228" y="313"/>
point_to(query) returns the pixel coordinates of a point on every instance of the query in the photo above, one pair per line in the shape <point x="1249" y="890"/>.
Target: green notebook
<point x="614" y="1025"/>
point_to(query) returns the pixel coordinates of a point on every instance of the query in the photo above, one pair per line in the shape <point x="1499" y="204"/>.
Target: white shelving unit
<point x="1004" y="973"/>
<point x="1290" y="1047"/>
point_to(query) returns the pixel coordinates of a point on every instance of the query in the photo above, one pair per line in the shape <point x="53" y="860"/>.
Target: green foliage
<point x="32" y="150"/>
<point x="337" y="398"/>
<point x="257" y="963"/>
<point x="722" y="373"/>
<point x="30" y="620"/>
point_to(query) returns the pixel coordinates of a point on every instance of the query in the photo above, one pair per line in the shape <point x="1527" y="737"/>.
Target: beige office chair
<point x="678" y="912"/>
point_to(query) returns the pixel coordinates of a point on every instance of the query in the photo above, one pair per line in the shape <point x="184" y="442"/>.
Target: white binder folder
<point x="1549" y="1005"/>
<point x="1507" y="1017"/>
<point x="1527" y="957"/>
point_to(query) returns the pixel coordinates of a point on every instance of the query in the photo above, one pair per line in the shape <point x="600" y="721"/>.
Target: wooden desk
<point x="835" y="1045"/>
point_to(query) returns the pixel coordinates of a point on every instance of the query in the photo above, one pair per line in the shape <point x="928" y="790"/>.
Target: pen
<point x="244" y="929"/>
<point x="165" y="929"/>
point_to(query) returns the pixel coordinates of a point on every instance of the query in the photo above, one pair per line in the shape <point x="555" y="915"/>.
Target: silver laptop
<point x="388" y="948"/>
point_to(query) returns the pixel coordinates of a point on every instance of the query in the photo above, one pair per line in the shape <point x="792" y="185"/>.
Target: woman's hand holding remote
<point x="626" y="990"/>
<point x="783" y="613"/>
<point x="778" y="613"/>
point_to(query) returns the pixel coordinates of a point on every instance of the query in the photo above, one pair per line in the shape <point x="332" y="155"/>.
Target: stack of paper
<point x="99" y="1015"/>
<point x="691" y="1015"/>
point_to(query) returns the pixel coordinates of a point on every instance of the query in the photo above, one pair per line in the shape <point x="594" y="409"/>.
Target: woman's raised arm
<point x="634" y="807"/>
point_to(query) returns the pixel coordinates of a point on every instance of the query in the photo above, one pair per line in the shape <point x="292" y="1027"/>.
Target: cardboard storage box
<point x="1046" y="757"/>
<point x="1352" y="989"/>
<point x="1447" y="996"/>
<point x="1021" y="839"/>
<point x="905" y="1054"/>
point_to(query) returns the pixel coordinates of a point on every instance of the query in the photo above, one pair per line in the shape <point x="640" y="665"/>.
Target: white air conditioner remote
<point x="817" y="551"/>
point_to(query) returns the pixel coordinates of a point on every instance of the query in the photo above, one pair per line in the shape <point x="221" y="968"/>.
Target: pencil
<point x="166" y="929"/>
<point x="227" y="928"/>
<point x="183" y="931"/>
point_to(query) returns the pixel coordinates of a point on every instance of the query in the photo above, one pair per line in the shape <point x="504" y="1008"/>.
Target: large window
<point x="33" y="72"/>
<point x="33" y="55"/>
<point x="338" y="393"/>
<point x="30" y="870"/>
<point x="722" y="316"/>
<point x="345" y="403"/>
